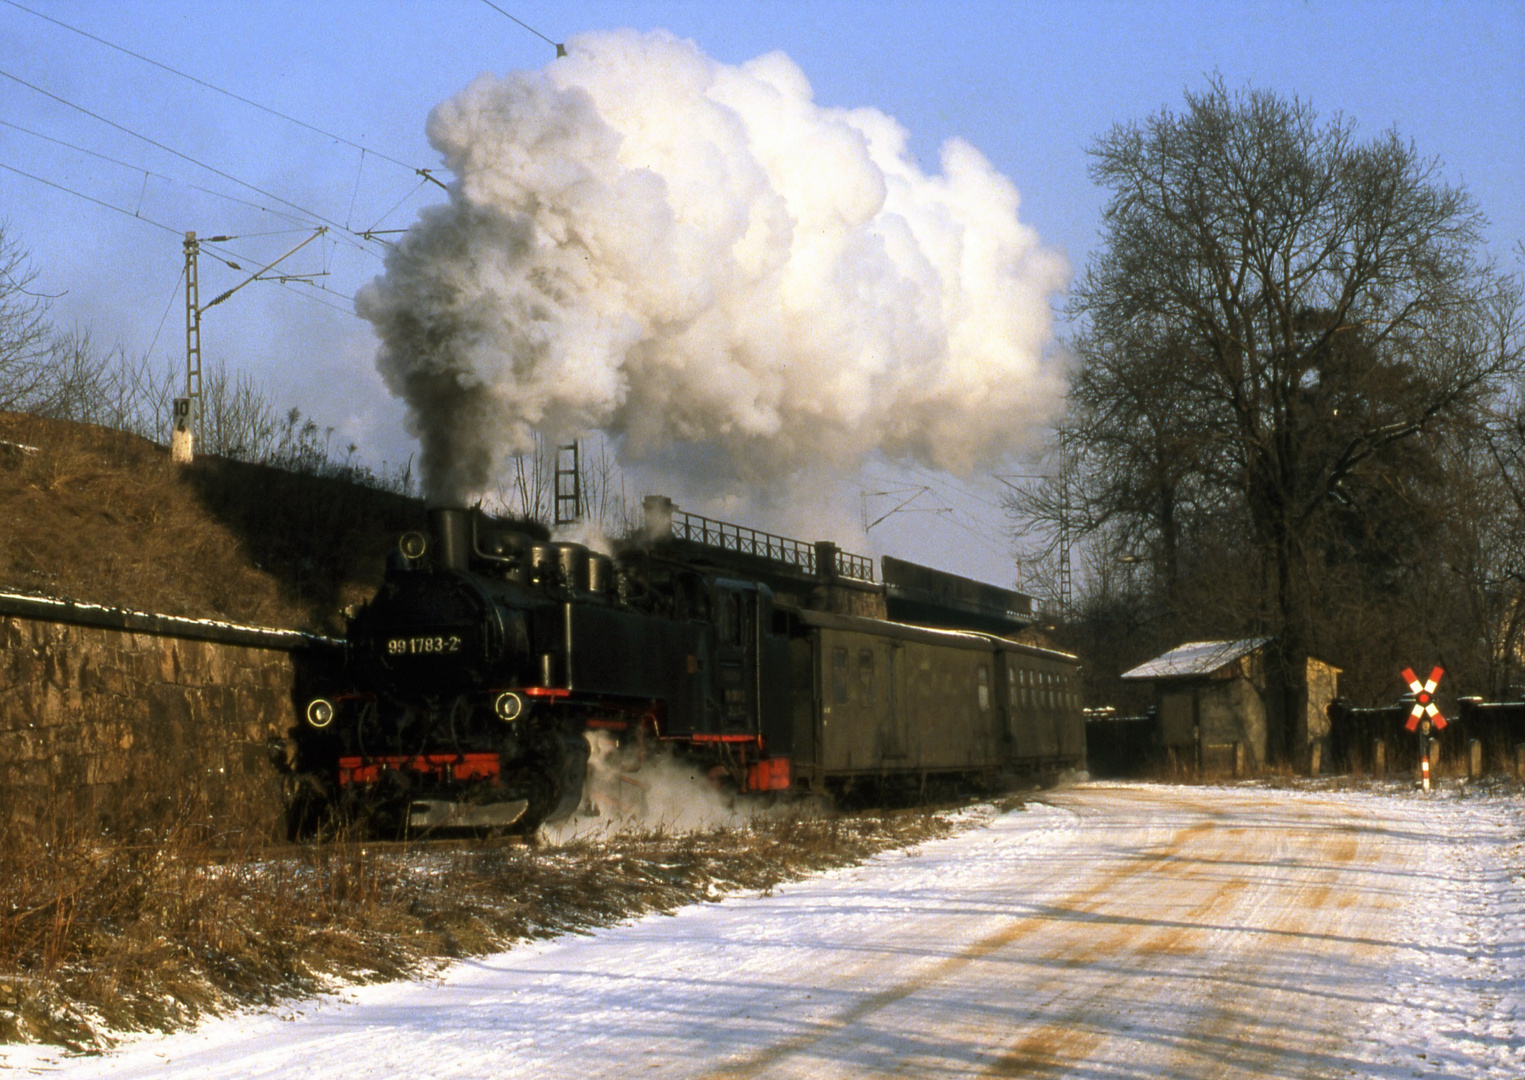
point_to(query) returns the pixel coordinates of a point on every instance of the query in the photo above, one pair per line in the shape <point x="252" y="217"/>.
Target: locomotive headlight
<point x="508" y="706"/>
<point x="413" y="545"/>
<point x="320" y="712"/>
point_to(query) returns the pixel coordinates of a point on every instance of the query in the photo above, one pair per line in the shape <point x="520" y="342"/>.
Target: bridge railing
<point x="663" y="518"/>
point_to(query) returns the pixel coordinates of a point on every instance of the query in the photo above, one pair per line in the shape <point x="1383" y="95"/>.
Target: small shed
<point x="1216" y="712"/>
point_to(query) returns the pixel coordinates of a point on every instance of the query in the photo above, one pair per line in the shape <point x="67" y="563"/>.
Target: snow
<point x="1112" y="930"/>
<point x="1195" y="658"/>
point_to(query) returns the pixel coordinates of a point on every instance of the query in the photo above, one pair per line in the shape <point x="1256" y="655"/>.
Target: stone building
<point x="1217" y="713"/>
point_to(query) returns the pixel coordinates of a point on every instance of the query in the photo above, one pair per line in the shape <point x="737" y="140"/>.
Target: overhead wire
<point x="217" y="250"/>
<point x="235" y="261"/>
<point x="84" y="150"/>
<point x="91" y="198"/>
<point x="216" y="89"/>
<point x="962" y="519"/>
<point x="162" y="318"/>
<point x="949" y="481"/>
<point x="347" y="309"/>
<point x="171" y="150"/>
<point x="157" y="175"/>
<point x="368" y="235"/>
<point x="561" y="50"/>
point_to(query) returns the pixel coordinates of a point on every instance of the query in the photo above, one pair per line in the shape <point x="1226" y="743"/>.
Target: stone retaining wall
<point x="124" y="729"/>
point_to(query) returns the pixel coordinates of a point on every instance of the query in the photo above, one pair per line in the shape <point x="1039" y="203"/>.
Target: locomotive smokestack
<point x="451" y="528"/>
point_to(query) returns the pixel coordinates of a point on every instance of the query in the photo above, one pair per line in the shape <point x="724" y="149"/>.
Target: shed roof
<point x="1195" y="658"/>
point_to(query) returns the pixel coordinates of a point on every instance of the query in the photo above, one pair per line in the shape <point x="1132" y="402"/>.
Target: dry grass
<point x="103" y="516"/>
<point x="101" y="935"/>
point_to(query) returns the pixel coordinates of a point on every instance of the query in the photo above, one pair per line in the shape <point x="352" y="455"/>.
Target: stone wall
<point x="124" y="729"/>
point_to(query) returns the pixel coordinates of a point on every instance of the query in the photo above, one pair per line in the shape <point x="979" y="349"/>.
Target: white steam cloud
<point x="631" y="789"/>
<point x="701" y="262"/>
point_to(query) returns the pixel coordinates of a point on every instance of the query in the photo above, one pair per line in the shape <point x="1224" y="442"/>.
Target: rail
<point x="857" y="567"/>
<point x="765" y="545"/>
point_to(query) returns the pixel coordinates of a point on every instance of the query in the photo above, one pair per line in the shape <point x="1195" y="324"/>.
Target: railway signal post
<point x="1424" y="714"/>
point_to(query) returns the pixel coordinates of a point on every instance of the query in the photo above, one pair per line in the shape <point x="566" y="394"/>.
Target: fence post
<point x="1434" y="755"/>
<point x="1378" y="757"/>
<point x="1475" y="758"/>
<point x="1519" y="761"/>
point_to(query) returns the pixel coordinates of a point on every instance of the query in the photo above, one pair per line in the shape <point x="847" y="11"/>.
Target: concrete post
<point x="1378" y="757"/>
<point x="1434" y="755"/>
<point x="1475" y="758"/>
<point x="825" y="560"/>
<point x="1519" y="761"/>
<point x="181" y="440"/>
<point x="1316" y="757"/>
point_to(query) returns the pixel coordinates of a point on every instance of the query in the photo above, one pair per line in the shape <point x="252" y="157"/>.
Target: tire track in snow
<point x="1081" y="913"/>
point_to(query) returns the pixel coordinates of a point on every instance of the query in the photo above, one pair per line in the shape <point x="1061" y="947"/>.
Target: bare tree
<point x="1290" y="303"/>
<point x="26" y="334"/>
<point x="528" y="487"/>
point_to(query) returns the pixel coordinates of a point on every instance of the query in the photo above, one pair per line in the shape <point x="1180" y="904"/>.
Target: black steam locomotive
<point x="476" y="675"/>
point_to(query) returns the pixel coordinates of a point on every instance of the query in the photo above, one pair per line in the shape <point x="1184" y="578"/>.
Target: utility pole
<point x="192" y="412"/>
<point x="1065" y="480"/>
<point x="181" y="441"/>
<point x="568" y="485"/>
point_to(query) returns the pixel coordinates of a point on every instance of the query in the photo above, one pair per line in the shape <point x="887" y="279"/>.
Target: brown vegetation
<point x="111" y="934"/>
<point x="97" y="515"/>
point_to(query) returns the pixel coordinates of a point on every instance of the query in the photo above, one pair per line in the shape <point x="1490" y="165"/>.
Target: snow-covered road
<point x="1110" y="931"/>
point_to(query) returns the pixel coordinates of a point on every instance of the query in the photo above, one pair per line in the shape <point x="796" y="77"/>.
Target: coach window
<point x="866" y="675"/>
<point x="839" y="688"/>
<point x="984" y="688"/>
<point x="1011" y="684"/>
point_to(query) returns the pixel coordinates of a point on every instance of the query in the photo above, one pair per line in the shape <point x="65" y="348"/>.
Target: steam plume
<point x="703" y="263"/>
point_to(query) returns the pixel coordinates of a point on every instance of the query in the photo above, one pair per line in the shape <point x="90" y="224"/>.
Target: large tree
<point x="1276" y="306"/>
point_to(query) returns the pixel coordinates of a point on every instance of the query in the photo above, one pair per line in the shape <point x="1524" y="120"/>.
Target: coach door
<point x="893" y="746"/>
<point x="736" y="656"/>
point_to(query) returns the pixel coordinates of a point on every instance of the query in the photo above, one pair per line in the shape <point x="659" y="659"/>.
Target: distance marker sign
<point x="1424" y="699"/>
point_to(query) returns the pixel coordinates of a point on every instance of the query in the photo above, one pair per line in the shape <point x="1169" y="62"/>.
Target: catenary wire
<point x="213" y="87"/>
<point x="178" y="233"/>
<point x="91" y="199"/>
<point x="185" y="157"/>
<point x="561" y="50"/>
<point x="370" y="234"/>
<point x="162" y="318"/>
<point x="170" y="179"/>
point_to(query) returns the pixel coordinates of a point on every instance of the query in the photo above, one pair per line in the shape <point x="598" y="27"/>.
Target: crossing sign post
<point x="1424" y="714"/>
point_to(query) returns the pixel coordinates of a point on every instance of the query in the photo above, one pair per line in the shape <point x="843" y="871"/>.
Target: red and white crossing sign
<point x="1424" y="698"/>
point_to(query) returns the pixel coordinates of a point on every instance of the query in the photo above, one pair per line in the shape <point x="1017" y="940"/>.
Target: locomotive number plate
<point x="437" y="645"/>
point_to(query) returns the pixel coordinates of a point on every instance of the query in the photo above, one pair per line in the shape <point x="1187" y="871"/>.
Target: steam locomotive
<point x="479" y="673"/>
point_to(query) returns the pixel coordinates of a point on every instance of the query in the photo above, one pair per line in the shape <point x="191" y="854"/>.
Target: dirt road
<point x="1113" y="931"/>
<point x="1172" y="933"/>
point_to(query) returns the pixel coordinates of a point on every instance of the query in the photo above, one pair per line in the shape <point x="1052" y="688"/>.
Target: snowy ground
<point x="1113" y="931"/>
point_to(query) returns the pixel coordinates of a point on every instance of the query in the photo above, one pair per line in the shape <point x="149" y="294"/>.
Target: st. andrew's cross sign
<point x="1424" y="699"/>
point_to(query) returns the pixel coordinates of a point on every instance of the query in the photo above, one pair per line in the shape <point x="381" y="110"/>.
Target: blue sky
<point x="1031" y="85"/>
